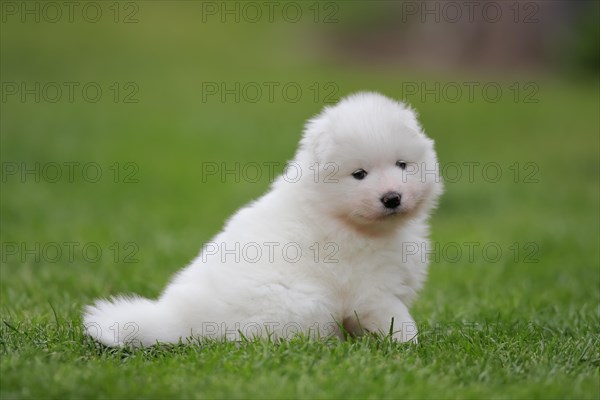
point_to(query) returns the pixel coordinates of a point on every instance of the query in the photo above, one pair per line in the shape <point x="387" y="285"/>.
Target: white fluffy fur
<point x="357" y="267"/>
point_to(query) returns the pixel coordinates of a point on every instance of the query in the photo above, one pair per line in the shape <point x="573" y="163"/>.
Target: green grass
<point x="514" y="360"/>
<point x="502" y="329"/>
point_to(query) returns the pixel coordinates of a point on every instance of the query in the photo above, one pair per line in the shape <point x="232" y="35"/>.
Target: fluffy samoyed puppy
<point x="337" y="246"/>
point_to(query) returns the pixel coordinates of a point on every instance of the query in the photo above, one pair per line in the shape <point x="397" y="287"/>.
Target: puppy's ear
<point x="315" y="140"/>
<point x="410" y="117"/>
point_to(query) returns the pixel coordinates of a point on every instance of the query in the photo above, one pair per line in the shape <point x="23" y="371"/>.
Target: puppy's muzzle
<point x="391" y="199"/>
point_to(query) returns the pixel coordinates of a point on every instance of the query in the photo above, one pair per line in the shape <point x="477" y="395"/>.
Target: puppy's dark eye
<point x="359" y="174"/>
<point x="401" y="164"/>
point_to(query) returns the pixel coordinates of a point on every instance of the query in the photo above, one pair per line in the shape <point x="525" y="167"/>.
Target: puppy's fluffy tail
<point x="129" y="321"/>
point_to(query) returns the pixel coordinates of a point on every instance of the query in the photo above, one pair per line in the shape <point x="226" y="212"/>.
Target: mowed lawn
<point x="511" y="305"/>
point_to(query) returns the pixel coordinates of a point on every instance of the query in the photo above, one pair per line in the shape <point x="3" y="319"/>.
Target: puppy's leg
<point x="390" y="315"/>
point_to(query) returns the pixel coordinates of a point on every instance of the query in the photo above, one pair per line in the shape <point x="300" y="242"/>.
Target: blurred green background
<point x="178" y="87"/>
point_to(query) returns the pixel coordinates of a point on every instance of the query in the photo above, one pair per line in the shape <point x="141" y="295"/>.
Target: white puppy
<point x="338" y="243"/>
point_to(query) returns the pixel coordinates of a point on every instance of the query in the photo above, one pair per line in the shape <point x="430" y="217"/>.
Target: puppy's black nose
<point x="391" y="199"/>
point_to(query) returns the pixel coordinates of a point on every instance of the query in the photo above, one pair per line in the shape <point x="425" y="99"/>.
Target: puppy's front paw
<point x="406" y="332"/>
<point x="393" y="319"/>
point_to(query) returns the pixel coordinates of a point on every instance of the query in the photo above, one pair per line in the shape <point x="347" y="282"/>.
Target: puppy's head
<point x="370" y="162"/>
